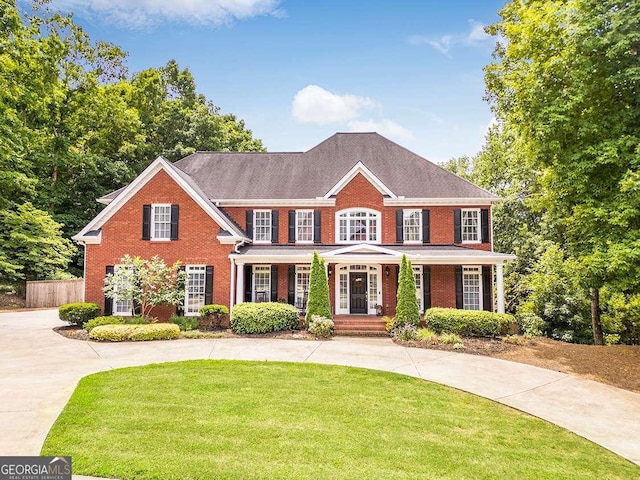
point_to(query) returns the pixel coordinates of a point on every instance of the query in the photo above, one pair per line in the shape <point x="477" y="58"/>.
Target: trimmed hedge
<point x="185" y="323"/>
<point x="469" y="323"/>
<point x="78" y="313"/>
<point x="120" y="333"/>
<point x="99" y="321"/>
<point x="263" y="317"/>
<point x="214" y="309"/>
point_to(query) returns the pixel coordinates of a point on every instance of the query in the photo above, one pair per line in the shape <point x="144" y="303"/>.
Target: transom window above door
<point x="358" y="226"/>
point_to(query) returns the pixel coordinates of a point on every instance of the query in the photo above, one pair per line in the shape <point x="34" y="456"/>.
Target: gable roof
<point x="87" y="234"/>
<point x="313" y="174"/>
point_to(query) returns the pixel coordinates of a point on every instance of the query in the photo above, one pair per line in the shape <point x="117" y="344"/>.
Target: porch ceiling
<point x="366" y="253"/>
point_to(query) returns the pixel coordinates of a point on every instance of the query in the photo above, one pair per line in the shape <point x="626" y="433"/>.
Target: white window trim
<point x="312" y="227"/>
<point x="405" y="213"/>
<point x="479" y="232"/>
<point x="152" y="222"/>
<point x="473" y="270"/>
<point x="114" y="300"/>
<point x="255" y="223"/>
<point x="261" y="268"/>
<point x="349" y="211"/>
<point x="187" y="268"/>
<point x="345" y="269"/>
<point x="299" y="270"/>
<point x="418" y="270"/>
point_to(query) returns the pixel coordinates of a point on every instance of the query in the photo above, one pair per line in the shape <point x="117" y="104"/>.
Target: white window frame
<point x="118" y="305"/>
<point x="299" y="291"/>
<point x="155" y="221"/>
<point x="476" y="272"/>
<point x="268" y="226"/>
<point x="192" y="270"/>
<point x="464" y="235"/>
<point x="299" y="218"/>
<point x="342" y="287"/>
<point x="262" y="270"/>
<point x="419" y="279"/>
<point x="406" y="216"/>
<point x="348" y="216"/>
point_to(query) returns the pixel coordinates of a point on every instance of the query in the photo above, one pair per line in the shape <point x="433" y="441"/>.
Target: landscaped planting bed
<point x="230" y="419"/>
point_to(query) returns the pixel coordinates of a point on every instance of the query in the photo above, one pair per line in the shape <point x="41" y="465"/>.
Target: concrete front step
<point x="361" y="333"/>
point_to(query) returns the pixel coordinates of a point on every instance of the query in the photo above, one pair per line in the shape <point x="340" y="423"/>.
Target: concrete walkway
<point x="39" y="370"/>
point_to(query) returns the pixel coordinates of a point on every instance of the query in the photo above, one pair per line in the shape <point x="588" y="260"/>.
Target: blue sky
<point x="299" y="71"/>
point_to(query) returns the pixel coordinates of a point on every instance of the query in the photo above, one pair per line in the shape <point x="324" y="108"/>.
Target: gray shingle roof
<point x="312" y="174"/>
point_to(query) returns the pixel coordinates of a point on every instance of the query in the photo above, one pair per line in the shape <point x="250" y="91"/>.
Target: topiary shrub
<point x="263" y="317"/>
<point x="99" y="321"/>
<point x="120" y="333"/>
<point x="318" y="302"/>
<point x="78" y="313"/>
<point x="407" y="308"/>
<point x="211" y="316"/>
<point x="321" y="326"/>
<point x="185" y="323"/>
<point x="469" y="323"/>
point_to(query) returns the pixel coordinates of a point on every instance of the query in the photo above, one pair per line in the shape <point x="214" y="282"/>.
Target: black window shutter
<point x="181" y="286"/>
<point x="426" y="287"/>
<point x="487" y="278"/>
<point x="484" y="224"/>
<point x="248" y="282"/>
<point x="317" y="223"/>
<point x="108" y="302"/>
<point x="426" y="226"/>
<point x="291" y="293"/>
<point x="146" y="222"/>
<point x="175" y="214"/>
<point x="274" y="226"/>
<point x="459" y="298"/>
<point x="274" y="283"/>
<point x="397" y="277"/>
<point x="399" y="226"/>
<point x="292" y="226"/>
<point x="249" y="229"/>
<point x="457" y="226"/>
<point x="208" y="285"/>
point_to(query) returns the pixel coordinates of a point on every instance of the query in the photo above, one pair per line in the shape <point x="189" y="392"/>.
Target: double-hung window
<point x="262" y="226"/>
<point x="161" y="222"/>
<point x="195" y="286"/>
<point x="302" y="285"/>
<point x="470" y="225"/>
<point x="121" y="304"/>
<point x="304" y="226"/>
<point x="412" y="225"/>
<point x="261" y="283"/>
<point x="358" y="226"/>
<point x="471" y="288"/>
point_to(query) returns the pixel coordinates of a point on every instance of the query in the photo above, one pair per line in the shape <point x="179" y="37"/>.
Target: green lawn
<point x="244" y="420"/>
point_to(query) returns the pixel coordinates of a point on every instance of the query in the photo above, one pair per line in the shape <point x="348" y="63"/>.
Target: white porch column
<point x="240" y="282"/>
<point x="232" y="283"/>
<point x="500" y="288"/>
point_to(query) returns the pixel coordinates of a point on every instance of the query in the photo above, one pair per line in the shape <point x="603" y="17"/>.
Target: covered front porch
<point x="363" y="278"/>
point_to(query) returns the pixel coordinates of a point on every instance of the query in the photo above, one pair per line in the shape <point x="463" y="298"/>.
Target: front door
<point x="358" y="300"/>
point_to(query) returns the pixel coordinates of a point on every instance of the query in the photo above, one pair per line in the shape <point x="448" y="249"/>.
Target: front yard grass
<point x="242" y="420"/>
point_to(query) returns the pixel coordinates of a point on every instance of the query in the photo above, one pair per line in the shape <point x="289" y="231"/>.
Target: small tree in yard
<point x="148" y="283"/>
<point x="407" y="308"/>
<point x="318" y="302"/>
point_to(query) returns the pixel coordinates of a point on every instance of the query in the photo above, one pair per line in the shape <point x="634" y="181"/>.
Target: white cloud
<point x="385" y="127"/>
<point x="148" y="13"/>
<point x="475" y="36"/>
<point x="314" y="104"/>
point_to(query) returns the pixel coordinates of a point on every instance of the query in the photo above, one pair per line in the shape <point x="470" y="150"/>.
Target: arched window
<point x="358" y="226"/>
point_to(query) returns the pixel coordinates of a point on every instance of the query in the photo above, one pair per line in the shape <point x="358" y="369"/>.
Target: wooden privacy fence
<point x="53" y="293"/>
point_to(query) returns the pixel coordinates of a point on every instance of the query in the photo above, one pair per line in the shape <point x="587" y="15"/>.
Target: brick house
<point x="245" y="226"/>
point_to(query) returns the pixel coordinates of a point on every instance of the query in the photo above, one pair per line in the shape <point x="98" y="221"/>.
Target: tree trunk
<point x="595" y="317"/>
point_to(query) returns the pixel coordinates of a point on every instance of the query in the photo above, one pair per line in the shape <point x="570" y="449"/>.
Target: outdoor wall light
<point x="387" y="271"/>
<point x="330" y="270"/>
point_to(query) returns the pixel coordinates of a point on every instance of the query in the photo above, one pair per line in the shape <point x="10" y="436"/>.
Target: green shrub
<point x="407" y="308"/>
<point x="530" y="324"/>
<point x="611" y="339"/>
<point x="405" y="332"/>
<point x="321" y="326"/>
<point x="199" y="334"/>
<point x="449" y="338"/>
<point x="263" y="317"/>
<point x="78" y="313"/>
<point x="136" y="320"/>
<point x="119" y="333"/>
<point x="389" y="323"/>
<point x="470" y="323"/>
<point x="185" y="323"/>
<point x="318" y="302"/>
<point x="458" y="346"/>
<point x="99" y="321"/>
<point x="427" y="335"/>
<point x="213" y="310"/>
<point x="513" y="339"/>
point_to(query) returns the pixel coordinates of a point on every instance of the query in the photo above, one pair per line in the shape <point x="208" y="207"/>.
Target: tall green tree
<point x="318" y="302"/>
<point x="407" y="308"/>
<point x="566" y="83"/>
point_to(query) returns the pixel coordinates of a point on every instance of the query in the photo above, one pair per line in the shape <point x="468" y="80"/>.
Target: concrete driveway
<point x="39" y="370"/>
